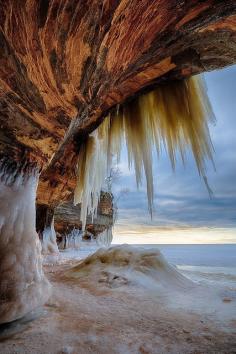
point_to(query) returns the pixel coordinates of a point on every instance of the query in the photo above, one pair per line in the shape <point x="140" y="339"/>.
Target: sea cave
<point x="80" y="82"/>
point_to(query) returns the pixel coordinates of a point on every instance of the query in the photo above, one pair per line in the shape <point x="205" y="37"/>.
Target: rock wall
<point x="65" y="65"/>
<point x="67" y="217"/>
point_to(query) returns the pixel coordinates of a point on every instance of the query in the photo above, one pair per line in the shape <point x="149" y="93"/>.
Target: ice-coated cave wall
<point x="23" y="285"/>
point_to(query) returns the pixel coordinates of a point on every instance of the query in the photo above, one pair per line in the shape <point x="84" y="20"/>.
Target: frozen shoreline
<point x="127" y="310"/>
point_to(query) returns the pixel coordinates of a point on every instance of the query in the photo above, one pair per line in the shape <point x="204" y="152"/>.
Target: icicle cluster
<point x="175" y="114"/>
<point x="92" y="170"/>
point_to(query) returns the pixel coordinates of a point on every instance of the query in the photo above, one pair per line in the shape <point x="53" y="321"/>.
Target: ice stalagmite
<point x="23" y="285"/>
<point x="105" y="238"/>
<point x="174" y="116"/>
<point x="72" y="240"/>
<point x="49" y="241"/>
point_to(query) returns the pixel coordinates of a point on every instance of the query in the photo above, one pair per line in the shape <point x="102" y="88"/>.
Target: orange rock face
<point x="65" y="64"/>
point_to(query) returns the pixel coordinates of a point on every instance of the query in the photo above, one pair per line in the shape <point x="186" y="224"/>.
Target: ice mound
<point x="125" y="265"/>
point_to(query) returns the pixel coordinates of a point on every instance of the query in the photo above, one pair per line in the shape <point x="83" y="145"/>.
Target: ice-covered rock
<point x="23" y="285"/>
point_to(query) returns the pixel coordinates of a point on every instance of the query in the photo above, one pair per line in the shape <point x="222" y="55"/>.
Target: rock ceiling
<point x="65" y="64"/>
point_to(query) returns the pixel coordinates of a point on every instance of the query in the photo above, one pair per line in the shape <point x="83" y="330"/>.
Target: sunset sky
<point x="181" y="200"/>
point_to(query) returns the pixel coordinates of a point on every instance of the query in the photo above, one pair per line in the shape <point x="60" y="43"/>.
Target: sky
<point x="184" y="212"/>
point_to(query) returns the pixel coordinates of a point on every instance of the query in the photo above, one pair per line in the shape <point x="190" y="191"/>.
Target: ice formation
<point x="23" y="285"/>
<point x="92" y="169"/>
<point x="72" y="240"/>
<point x="49" y="240"/>
<point x="125" y="264"/>
<point x="175" y="115"/>
<point x="104" y="239"/>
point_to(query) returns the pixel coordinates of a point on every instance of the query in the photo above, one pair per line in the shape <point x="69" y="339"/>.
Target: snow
<point x="126" y="300"/>
<point x="131" y="265"/>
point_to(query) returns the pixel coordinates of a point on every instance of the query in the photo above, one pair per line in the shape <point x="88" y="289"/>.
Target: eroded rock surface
<point x="66" y="64"/>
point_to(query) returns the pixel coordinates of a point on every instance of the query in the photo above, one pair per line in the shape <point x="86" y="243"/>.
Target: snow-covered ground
<point x="128" y="300"/>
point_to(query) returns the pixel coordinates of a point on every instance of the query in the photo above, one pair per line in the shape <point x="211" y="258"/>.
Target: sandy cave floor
<point x="104" y="317"/>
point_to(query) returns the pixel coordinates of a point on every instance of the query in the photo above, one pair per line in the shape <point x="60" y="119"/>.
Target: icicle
<point x="176" y="114"/>
<point x="92" y="169"/>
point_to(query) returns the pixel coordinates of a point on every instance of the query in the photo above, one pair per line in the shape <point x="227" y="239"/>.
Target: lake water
<point x="213" y="263"/>
<point x="199" y="255"/>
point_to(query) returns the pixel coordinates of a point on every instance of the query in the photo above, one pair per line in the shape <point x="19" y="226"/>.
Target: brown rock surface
<point x="67" y="217"/>
<point x="65" y="64"/>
